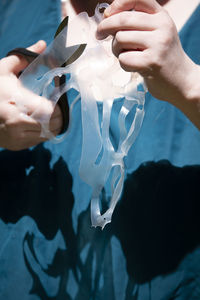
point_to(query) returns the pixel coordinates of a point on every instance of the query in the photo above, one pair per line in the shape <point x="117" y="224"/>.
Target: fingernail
<point x="40" y="44"/>
<point x="107" y="11"/>
<point x="37" y="45"/>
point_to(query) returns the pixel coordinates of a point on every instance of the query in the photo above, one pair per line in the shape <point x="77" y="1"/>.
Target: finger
<point x="28" y="123"/>
<point x="44" y="114"/>
<point x="38" y="47"/>
<point x="16" y="121"/>
<point x="20" y="144"/>
<point x="17" y="63"/>
<point x="135" y="61"/>
<point x="57" y="112"/>
<point x="33" y="105"/>
<point x="148" y="6"/>
<point x="28" y="110"/>
<point x="29" y="139"/>
<point x="131" y="40"/>
<point x="13" y="136"/>
<point x="56" y="121"/>
<point x="127" y="20"/>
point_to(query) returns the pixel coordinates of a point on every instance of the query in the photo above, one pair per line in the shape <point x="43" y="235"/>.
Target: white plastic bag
<point x="100" y="81"/>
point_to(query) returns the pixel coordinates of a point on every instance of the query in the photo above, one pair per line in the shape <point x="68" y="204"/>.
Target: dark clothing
<point x="48" y="249"/>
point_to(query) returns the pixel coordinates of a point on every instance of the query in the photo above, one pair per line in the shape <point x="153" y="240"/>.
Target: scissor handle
<point x="63" y="101"/>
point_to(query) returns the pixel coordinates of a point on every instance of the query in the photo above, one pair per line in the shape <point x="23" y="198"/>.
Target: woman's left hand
<point x="145" y="40"/>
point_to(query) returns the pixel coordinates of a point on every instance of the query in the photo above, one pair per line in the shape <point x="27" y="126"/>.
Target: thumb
<point x="38" y="47"/>
<point x="148" y="6"/>
<point x="16" y="63"/>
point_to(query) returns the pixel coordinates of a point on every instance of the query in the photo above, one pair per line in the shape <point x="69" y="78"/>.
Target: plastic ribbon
<point x="100" y="82"/>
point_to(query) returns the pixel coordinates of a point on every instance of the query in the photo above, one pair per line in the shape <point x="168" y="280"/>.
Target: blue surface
<point x="48" y="249"/>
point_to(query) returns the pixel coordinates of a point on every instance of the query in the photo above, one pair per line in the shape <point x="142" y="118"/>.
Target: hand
<point x="18" y="130"/>
<point x="145" y="40"/>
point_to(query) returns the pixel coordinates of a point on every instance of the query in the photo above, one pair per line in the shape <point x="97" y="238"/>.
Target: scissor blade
<point x="77" y="53"/>
<point x="62" y="25"/>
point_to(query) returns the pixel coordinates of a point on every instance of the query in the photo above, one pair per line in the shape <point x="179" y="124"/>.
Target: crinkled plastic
<point x="100" y="81"/>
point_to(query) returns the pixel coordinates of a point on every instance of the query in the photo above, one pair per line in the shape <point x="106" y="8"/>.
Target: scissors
<point x="52" y="58"/>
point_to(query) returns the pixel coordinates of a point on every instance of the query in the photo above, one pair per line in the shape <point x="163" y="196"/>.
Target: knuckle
<point x="148" y="64"/>
<point x="165" y="40"/>
<point x="154" y="62"/>
<point x="123" y="19"/>
<point x="167" y="23"/>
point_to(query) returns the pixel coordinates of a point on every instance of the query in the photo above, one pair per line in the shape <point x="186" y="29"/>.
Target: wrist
<point x="190" y="104"/>
<point x="192" y="94"/>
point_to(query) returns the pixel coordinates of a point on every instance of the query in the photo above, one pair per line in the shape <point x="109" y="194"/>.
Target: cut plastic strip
<point x="100" y="81"/>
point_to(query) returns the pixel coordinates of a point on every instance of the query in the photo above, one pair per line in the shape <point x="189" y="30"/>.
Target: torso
<point x="180" y="11"/>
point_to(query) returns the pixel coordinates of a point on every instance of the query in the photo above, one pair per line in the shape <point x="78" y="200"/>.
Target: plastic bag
<point x="100" y="81"/>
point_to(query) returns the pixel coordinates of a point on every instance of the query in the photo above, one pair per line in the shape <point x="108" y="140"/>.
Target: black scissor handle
<point x="63" y="101"/>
